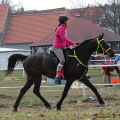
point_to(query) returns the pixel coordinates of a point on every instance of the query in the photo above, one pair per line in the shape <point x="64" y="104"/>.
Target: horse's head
<point x="103" y="47"/>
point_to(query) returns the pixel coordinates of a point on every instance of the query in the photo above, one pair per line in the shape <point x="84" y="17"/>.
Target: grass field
<point x="74" y="107"/>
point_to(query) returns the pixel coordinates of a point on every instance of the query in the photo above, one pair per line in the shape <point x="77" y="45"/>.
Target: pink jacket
<point x="60" y="39"/>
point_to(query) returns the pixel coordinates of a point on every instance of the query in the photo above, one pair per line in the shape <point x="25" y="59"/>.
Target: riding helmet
<point x="63" y="18"/>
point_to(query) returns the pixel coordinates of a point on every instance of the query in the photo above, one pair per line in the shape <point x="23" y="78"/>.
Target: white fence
<point x="83" y="85"/>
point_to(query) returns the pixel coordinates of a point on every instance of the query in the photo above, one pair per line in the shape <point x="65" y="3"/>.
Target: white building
<point x="5" y="53"/>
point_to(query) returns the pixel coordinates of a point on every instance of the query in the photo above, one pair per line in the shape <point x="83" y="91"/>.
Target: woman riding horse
<point x="60" y="43"/>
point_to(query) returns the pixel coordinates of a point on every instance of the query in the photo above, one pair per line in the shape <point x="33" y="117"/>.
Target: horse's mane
<point x="89" y="40"/>
<point x="85" y="42"/>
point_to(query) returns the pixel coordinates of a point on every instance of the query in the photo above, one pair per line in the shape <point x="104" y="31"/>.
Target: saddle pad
<point x="52" y="61"/>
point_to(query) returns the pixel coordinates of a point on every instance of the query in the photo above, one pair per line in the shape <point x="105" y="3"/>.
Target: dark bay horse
<point x="35" y="66"/>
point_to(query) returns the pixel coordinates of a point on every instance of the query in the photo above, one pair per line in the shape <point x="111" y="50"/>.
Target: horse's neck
<point x="84" y="53"/>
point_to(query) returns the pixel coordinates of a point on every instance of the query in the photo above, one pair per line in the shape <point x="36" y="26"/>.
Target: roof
<point x="11" y="50"/>
<point x="33" y="27"/>
<point x="39" y="12"/>
<point x="29" y="28"/>
<point x="3" y="11"/>
<point x="79" y="30"/>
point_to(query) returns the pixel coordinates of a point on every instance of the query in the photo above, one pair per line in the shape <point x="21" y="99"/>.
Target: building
<point x="24" y="30"/>
<point x="5" y="53"/>
<point x="79" y="30"/>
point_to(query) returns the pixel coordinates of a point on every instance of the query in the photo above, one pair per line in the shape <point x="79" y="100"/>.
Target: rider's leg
<point x="59" y="53"/>
<point x="59" y="68"/>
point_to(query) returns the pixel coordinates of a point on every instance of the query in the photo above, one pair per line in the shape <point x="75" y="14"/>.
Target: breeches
<point x="59" y="53"/>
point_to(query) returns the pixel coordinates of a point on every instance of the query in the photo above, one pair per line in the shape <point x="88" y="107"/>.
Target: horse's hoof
<point x="58" y="108"/>
<point x="101" y="105"/>
<point x="49" y="108"/>
<point x="15" y="110"/>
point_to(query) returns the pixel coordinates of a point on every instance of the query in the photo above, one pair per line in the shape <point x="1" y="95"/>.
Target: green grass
<point x="74" y="107"/>
<point x="95" y="77"/>
<point x="2" y="75"/>
<point x="17" y="74"/>
<point x="16" y="79"/>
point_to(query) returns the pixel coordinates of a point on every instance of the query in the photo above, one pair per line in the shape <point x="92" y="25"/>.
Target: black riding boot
<point x="57" y="80"/>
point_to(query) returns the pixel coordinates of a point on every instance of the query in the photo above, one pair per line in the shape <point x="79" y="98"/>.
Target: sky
<point x="51" y="4"/>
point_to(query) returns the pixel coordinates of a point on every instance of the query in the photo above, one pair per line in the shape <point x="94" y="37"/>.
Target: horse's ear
<point x="101" y="36"/>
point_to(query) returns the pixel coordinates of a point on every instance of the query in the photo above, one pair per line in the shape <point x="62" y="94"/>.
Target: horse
<point x="35" y="66"/>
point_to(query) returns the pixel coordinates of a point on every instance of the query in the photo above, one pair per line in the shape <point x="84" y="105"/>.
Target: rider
<point x="61" y="42"/>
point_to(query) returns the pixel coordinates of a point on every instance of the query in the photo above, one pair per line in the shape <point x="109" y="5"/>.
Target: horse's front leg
<point x="66" y="89"/>
<point x="92" y="87"/>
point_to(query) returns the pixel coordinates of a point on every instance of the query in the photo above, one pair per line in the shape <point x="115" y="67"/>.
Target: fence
<point x="90" y="66"/>
<point x="93" y="66"/>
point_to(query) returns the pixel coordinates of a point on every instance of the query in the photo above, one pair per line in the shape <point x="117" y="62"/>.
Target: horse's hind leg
<point x="88" y="83"/>
<point x="22" y="92"/>
<point x="37" y="92"/>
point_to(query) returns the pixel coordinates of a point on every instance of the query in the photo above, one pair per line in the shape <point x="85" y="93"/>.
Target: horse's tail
<point x="12" y="60"/>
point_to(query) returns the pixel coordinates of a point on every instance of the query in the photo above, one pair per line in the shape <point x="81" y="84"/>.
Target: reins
<point x="75" y="56"/>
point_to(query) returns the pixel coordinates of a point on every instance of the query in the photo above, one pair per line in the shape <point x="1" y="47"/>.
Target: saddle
<point x="52" y="60"/>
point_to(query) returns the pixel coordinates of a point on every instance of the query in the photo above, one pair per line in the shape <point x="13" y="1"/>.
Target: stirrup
<point x="57" y="80"/>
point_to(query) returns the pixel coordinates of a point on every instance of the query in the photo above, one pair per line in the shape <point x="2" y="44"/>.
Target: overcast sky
<point x="51" y="4"/>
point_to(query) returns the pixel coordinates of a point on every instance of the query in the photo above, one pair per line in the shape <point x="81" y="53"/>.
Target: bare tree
<point x="14" y="8"/>
<point x="88" y="12"/>
<point x="111" y="16"/>
<point x="105" y="15"/>
<point x="4" y="1"/>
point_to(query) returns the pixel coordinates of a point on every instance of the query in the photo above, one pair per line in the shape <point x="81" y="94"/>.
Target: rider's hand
<point x="75" y="45"/>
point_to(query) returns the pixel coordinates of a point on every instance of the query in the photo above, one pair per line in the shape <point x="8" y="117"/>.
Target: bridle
<point x="103" y="49"/>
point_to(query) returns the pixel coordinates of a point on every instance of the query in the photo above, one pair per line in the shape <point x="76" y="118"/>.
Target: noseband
<point x="99" y="45"/>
